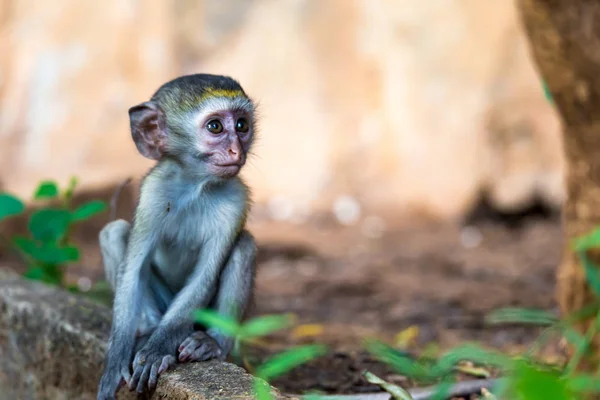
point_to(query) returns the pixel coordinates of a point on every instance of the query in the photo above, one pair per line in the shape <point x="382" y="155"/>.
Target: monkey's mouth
<point x="228" y="169"/>
<point x="233" y="164"/>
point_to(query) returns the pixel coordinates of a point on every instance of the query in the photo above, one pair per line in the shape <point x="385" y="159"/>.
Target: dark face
<point x="226" y="137"/>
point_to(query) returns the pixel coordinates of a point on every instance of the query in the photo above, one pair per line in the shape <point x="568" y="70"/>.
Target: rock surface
<point x="52" y="346"/>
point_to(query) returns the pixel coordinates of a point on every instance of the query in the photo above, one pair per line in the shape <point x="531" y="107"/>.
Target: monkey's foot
<point x="147" y="366"/>
<point x="199" y="347"/>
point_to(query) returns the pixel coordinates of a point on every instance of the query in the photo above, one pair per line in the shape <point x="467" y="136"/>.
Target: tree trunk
<point x="564" y="38"/>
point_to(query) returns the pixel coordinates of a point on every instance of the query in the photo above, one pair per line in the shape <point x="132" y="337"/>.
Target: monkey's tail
<point x="115" y="198"/>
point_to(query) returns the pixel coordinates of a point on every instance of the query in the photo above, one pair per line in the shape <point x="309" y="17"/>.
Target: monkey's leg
<point x="114" y="238"/>
<point x="113" y="244"/>
<point x="232" y="299"/>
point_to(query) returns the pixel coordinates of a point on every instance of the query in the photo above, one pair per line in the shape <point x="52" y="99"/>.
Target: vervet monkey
<point x="187" y="247"/>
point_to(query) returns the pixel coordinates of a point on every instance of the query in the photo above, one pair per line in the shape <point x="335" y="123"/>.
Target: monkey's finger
<point x="187" y="351"/>
<point x="190" y="344"/>
<point x="153" y="379"/>
<point x="184" y="354"/>
<point x="185" y="343"/>
<point x="205" y="352"/>
<point x="141" y="387"/>
<point x="195" y="353"/>
<point x="167" y="361"/>
<point x="136" y="377"/>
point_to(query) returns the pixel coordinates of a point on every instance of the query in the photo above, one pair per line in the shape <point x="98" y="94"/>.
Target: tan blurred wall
<point x="416" y="105"/>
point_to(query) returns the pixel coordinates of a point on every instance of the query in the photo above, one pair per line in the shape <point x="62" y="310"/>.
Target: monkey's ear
<point x="148" y="129"/>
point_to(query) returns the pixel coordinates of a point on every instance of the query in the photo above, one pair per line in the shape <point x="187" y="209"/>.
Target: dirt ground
<point x="441" y="278"/>
<point x="373" y="280"/>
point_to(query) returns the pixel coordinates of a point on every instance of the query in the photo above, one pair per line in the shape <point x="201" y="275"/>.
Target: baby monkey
<point x="187" y="247"/>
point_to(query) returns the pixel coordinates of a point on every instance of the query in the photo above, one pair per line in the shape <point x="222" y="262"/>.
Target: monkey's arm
<point x="126" y="312"/>
<point x="235" y="287"/>
<point x="177" y="324"/>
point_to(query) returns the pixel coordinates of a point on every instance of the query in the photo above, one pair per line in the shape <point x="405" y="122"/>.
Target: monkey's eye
<point x="214" y="126"/>
<point x="242" y="125"/>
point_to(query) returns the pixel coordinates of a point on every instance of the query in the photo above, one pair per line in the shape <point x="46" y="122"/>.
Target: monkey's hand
<point x="225" y="342"/>
<point x="151" y="361"/>
<point x="116" y="372"/>
<point x="199" y="346"/>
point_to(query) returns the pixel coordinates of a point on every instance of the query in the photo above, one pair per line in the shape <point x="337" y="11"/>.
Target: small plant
<point x="426" y="370"/>
<point x="254" y="329"/>
<point x="47" y="249"/>
<point x="525" y="377"/>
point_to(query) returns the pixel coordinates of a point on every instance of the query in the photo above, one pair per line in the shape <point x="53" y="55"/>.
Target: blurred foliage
<point x="47" y="248"/>
<point x="253" y="329"/>
<point x="524" y="377"/>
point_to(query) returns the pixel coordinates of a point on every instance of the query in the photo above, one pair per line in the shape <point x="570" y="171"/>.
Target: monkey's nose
<point x="235" y="154"/>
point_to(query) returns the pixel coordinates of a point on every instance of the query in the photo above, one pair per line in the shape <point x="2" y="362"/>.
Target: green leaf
<point x="73" y="288"/>
<point x="9" y="206"/>
<point x="521" y="316"/>
<point x="402" y="363"/>
<point x="35" y="273"/>
<point x="46" y="252"/>
<point x="396" y="391"/>
<point x="49" y="224"/>
<point x="262" y="390"/>
<point x="286" y="361"/>
<point x="46" y="190"/>
<point x="262" y="326"/>
<point x="530" y="382"/>
<point x="501" y="388"/>
<point x="442" y="390"/>
<point x="71" y="188"/>
<point x="584" y="384"/>
<point x="582" y="314"/>
<point x="88" y="210"/>
<point x="210" y="318"/>
<point x="472" y="353"/>
<point x="26" y="245"/>
<point x="47" y="274"/>
<point x="592" y="273"/>
<point x="573" y="337"/>
<point x="586" y="242"/>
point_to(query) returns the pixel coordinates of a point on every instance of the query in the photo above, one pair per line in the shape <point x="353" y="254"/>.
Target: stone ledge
<point x="52" y="346"/>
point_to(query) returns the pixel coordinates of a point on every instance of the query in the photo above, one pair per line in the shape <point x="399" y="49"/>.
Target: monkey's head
<point x="205" y="121"/>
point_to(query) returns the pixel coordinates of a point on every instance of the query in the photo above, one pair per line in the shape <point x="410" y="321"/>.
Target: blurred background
<point x="404" y="105"/>
<point x="404" y="148"/>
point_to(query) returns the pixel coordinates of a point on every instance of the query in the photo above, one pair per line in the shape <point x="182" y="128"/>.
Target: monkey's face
<point x="224" y="138"/>
<point x="205" y="121"/>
